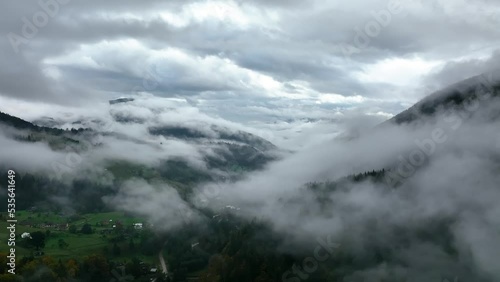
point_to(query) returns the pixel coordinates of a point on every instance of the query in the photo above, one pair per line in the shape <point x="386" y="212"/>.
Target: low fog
<point x="455" y="179"/>
<point x="443" y="167"/>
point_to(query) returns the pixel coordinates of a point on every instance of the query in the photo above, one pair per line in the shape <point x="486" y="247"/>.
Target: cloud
<point x="463" y="68"/>
<point x="125" y="132"/>
<point x="237" y="51"/>
<point x="26" y="156"/>
<point x="456" y="182"/>
<point x="161" y="205"/>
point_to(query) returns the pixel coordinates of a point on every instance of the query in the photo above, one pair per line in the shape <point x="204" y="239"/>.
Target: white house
<point x="25" y="235"/>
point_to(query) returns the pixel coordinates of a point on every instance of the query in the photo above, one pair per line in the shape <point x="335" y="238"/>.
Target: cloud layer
<point x="253" y="58"/>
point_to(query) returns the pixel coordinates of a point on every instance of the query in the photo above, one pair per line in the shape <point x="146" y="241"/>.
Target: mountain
<point x="18" y="123"/>
<point x="418" y="213"/>
<point x="452" y="97"/>
<point x="57" y="139"/>
<point x="175" y="156"/>
<point x="430" y="227"/>
<point x="221" y="135"/>
<point x="121" y="100"/>
<point x="223" y="150"/>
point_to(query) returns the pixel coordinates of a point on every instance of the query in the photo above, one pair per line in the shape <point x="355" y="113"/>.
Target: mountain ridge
<point x="451" y="96"/>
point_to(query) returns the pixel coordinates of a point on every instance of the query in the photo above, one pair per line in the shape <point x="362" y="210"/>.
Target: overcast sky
<point x="263" y="60"/>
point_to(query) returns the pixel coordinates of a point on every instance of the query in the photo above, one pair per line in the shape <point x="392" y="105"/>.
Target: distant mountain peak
<point x="121" y="101"/>
<point x="452" y="96"/>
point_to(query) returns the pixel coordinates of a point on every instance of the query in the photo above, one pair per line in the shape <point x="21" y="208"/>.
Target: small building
<point x="49" y="225"/>
<point x="25" y="235"/>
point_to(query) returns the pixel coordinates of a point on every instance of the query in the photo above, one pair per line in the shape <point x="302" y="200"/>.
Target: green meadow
<point x="76" y="244"/>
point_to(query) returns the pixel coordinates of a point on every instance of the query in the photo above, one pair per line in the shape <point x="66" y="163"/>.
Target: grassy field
<point x="78" y="245"/>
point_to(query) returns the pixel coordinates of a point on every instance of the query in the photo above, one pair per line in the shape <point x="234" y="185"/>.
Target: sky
<point x="251" y="62"/>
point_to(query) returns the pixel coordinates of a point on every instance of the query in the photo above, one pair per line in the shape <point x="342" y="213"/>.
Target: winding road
<point x="162" y="262"/>
<point x="164" y="269"/>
